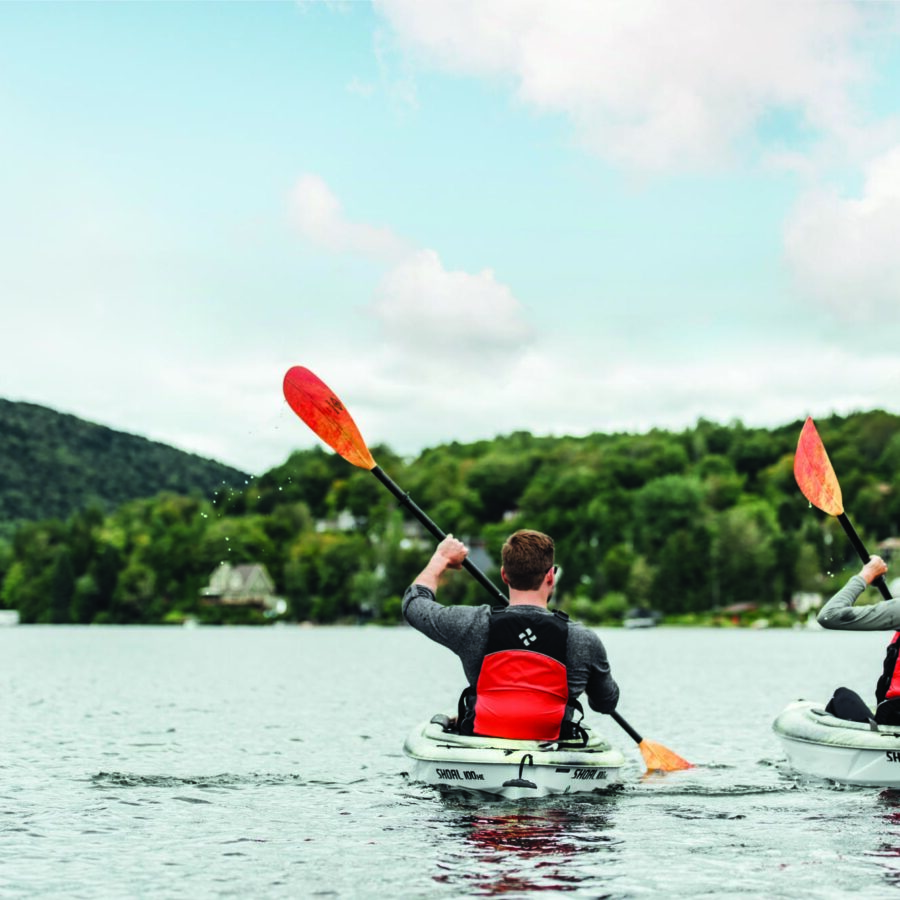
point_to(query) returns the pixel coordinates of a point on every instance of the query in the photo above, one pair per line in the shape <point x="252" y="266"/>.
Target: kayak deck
<point x="509" y="768"/>
<point x="824" y="746"/>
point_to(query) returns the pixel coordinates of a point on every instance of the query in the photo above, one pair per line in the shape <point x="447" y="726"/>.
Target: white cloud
<point x="560" y="387"/>
<point x="844" y="251"/>
<point x="442" y="313"/>
<point x="652" y="83"/>
<point x="316" y="212"/>
<point x="420" y="305"/>
<point x="395" y="75"/>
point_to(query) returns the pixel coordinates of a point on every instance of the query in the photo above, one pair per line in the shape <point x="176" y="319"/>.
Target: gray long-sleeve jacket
<point x="839" y="612"/>
<point x="464" y="630"/>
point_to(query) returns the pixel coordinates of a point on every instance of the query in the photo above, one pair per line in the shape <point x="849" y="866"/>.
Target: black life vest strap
<point x="572" y="733"/>
<point x="556" y="612"/>
<point x="465" y="711"/>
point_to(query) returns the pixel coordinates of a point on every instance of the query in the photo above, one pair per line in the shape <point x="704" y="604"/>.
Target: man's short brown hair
<point x="527" y="556"/>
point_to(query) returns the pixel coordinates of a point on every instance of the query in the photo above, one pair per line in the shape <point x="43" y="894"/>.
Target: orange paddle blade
<point x="661" y="759"/>
<point x="318" y="406"/>
<point x="814" y="474"/>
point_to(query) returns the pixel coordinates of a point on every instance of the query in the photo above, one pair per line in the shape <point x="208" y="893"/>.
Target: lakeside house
<point x="248" y="584"/>
<point x="888" y="547"/>
<point x="805" y="602"/>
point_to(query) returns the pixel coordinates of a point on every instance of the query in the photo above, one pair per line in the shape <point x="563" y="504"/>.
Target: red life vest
<point x="889" y="684"/>
<point x="523" y="687"/>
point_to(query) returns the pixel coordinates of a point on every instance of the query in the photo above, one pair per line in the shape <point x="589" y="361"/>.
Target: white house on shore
<point x="245" y="585"/>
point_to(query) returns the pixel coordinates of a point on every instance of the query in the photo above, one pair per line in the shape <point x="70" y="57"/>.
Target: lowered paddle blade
<point x="814" y="473"/>
<point x="661" y="759"/>
<point x="656" y="757"/>
<point x="311" y="399"/>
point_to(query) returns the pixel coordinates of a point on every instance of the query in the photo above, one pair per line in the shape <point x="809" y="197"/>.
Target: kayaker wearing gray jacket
<point x="840" y="613"/>
<point x="529" y="665"/>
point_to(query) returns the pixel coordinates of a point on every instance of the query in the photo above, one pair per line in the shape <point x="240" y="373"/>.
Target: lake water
<point x="239" y="762"/>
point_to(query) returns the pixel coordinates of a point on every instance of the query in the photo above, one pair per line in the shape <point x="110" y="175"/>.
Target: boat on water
<point x="515" y="770"/>
<point x="823" y="746"/>
<point x="639" y="617"/>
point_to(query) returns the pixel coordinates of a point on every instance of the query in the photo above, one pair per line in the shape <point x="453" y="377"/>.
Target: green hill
<point x="52" y="464"/>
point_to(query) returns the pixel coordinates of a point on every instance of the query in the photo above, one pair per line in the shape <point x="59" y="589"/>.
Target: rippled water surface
<point x="154" y="762"/>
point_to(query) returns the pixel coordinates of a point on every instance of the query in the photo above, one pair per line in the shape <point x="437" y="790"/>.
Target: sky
<point x="468" y="218"/>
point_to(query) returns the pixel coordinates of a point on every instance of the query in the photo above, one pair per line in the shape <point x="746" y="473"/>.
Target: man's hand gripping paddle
<point x="314" y="402"/>
<point x="818" y="483"/>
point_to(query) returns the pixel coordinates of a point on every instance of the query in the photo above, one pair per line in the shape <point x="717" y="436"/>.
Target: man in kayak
<point x="840" y="613"/>
<point x="526" y="666"/>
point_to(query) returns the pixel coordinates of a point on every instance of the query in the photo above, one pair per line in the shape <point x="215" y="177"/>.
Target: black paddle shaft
<point x="628" y="729"/>
<point x="421" y="515"/>
<point x="860" y="548"/>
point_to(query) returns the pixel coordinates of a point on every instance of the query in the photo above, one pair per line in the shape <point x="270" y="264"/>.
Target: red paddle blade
<point x="320" y="408"/>
<point x="661" y="759"/>
<point x="814" y="474"/>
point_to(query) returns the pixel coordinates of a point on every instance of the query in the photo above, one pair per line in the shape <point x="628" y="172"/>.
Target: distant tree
<point x="104" y="573"/>
<point x="808" y="575"/>
<point x="134" y="595"/>
<point x="85" y="600"/>
<point x="746" y="539"/>
<point x="617" y="566"/>
<point x="752" y="451"/>
<point x="642" y="584"/>
<point x="683" y="580"/>
<point x="664" y="506"/>
<point x="28" y="585"/>
<point x="6" y="558"/>
<point x="499" y="480"/>
<point x="320" y="572"/>
<point x="62" y="587"/>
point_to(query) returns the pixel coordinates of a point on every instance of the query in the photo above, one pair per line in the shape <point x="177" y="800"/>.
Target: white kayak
<point x="515" y="770"/>
<point x="821" y="745"/>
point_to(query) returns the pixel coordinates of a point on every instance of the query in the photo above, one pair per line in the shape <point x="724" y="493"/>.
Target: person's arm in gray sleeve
<point x="443" y="624"/>
<point x="449" y="554"/>
<point x="840" y="613"/>
<point x="602" y="690"/>
<point x="447" y="625"/>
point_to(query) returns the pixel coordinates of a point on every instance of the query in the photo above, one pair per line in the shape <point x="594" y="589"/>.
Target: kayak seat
<point x="888" y="711"/>
<point x="444" y="721"/>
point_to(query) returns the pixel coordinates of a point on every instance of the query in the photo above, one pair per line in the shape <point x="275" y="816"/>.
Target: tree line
<point x="680" y="522"/>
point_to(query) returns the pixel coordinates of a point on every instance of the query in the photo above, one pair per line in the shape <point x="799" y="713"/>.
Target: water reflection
<point x="539" y="846"/>
<point x="889" y="849"/>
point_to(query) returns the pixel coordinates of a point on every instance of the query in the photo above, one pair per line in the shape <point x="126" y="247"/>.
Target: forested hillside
<point x="53" y="465"/>
<point x="683" y="522"/>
